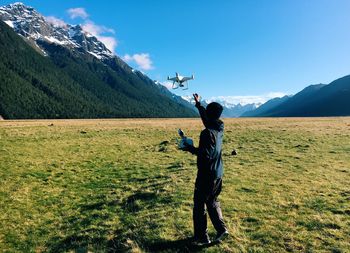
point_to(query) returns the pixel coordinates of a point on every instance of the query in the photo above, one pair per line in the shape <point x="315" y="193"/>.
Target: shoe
<point x="221" y="236"/>
<point x="202" y="242"/>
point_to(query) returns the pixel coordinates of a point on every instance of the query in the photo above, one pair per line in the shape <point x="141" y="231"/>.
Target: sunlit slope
<point x="318" y="100"/>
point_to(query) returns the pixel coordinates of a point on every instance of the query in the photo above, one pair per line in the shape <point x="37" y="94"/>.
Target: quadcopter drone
<point x="180" y="81"/>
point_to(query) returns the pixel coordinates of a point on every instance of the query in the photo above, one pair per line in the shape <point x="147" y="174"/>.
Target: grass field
<point x="122" y="185"/>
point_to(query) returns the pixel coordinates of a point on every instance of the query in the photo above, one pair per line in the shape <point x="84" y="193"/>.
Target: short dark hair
<point x="214" y="110"/>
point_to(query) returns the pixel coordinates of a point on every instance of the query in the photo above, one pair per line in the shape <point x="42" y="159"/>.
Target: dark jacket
<point x="209" y="160"/>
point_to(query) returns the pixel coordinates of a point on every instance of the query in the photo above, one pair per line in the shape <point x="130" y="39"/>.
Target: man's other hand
<point x="186" y="147"/>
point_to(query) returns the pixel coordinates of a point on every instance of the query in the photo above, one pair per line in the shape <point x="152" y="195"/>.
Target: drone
<point x="180" y="81"/>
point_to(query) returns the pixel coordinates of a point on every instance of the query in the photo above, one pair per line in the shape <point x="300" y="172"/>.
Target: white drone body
<point x="180" y="81"/>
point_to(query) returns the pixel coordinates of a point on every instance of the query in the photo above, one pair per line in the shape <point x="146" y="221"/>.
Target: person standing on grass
<point x="209" y="175"/>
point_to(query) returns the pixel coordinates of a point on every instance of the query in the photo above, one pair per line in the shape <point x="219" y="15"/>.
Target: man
<point x="209" y="176"/>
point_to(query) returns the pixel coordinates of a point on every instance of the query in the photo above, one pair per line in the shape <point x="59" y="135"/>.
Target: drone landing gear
<point x="185" y="88"/>
<point x="174" y="86"/>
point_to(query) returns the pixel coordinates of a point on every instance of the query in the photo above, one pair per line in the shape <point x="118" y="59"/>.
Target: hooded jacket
<point x="209" y="160"/>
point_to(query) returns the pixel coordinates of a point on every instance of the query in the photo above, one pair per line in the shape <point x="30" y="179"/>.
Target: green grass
<point x="122" y="185"/>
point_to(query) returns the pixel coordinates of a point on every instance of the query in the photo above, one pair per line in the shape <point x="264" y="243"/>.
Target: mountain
<point x="235" y="111"/>
<point x="230" y="110"/>
<point x="296" y="100"/>
<point x="315" y="100"/>
<point x="49" y="71"/>
<point x="30" y="24"/>
<point x="269" y="105"/>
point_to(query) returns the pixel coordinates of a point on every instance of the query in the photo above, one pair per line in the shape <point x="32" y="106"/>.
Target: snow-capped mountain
<point x="231" y="110"/>
<point x="79" y="77"/>
<point x="30" y="24"/>
<point x="237" y="110"/>
<point x="234" y="101"/>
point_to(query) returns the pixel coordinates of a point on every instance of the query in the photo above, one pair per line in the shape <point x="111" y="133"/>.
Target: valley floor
<point x="122" y="185"/>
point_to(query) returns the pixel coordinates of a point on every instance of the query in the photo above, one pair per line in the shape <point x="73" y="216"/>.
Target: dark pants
<point x="205" y="194"/>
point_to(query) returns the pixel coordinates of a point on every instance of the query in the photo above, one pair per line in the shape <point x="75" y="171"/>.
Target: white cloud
<point x="96" y="30"/>
<point x="110" y="42"/>
<point x="99" y="32"/>
<point x="77" y="13"/>
<point x="142" y="60"/>
<point x="243" y="100"/>
<point x="102" y="33"/>
<point x="55" y="21"/>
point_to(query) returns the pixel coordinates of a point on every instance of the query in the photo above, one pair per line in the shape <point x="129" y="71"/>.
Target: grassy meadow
<point x="122" y="185"/>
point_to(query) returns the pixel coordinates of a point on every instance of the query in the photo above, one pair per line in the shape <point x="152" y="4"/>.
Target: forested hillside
<point x="67" y="84"/>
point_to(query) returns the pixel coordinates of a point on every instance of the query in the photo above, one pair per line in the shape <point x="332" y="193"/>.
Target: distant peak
<point x="77" y="27"/>
<point x="18" y="3"/>
<point x="19" y="7"/>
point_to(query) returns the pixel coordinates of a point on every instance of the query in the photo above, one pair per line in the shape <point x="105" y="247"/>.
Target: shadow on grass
<point x="87" y="228"/>
<point x="181" y="245"/>
<point x="74" y="243"/>
<point x="78" y="231"/>
<point x="143" y="200"/>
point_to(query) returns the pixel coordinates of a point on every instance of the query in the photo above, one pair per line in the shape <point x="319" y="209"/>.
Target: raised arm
<point x="201" y="110"/>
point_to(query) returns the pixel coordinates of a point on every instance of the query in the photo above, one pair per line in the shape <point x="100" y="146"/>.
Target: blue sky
<point x="234" y="48"/>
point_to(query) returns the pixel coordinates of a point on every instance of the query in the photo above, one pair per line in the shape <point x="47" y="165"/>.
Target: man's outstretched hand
<point x="196" y="97"/>
<point x="186" y="147"/>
